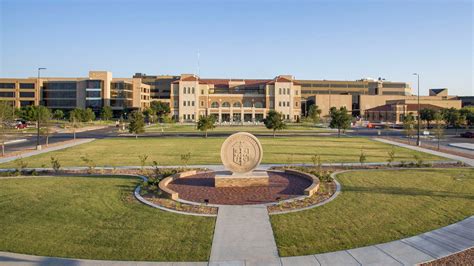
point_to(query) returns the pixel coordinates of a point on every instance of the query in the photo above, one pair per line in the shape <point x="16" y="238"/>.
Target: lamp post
<point x="418" y="143"/>
<point x="38" y="145"/>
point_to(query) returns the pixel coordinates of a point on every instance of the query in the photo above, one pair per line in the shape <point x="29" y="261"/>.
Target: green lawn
<point x="167" y="151"/>
<point x="377" y="207"/>
<point x="95" y="218"/>
<point x="260" y="128"/>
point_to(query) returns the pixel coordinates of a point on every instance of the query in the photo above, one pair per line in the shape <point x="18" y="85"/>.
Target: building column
<point x="231" y="114"/>
<point x="242" y="114"/>
<point x="253" y="113"/>
<point x="220" y="115"/>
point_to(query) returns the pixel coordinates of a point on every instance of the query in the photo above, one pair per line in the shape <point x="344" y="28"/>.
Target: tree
<point x="150" y="115"/>
<point x="88" y="115"/>
<point x="6" y="117"/>
<point x="28" y="113"/>
<point x="314" y="113"/>
<point x="136" y="123"/>
<point x="205" y="123"/>
<point x="58" y="114"/>
<point x="409" y="125"/>
<point x="427" y="114"/>
<point x="439" y="127"/>
<point x="274" y="121"/>
<point x="161" y="109"/>
<point x="451" y="117"/>
<point x="45" y="116"/>
<point x="340" y="119"/>
<point x="468" y="113"/>
<point x="106" y="113"/>
<point x="75" y="117"/>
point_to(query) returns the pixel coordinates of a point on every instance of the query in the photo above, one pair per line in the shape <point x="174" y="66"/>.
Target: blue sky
<point x="343" y="40"/>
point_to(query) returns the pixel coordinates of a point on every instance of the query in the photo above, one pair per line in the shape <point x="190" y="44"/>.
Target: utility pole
<point x="38" y="145"/>
<point x="418" y="143"/>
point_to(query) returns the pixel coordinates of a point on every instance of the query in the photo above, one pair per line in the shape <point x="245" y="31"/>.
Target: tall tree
<point x="106" y="113"/>
<point x="427" y="115"/>
<point x="58" y="114"/>
<point x="274" y="121"/>
<point x="340" y="119"/>
<point x="409" y="125"/>
<point x="314" y="113"/>
<point x="451" y="116"/>
<point x="136" y="123"/>
<point x="6" y="118"/>
<point x="161" y="109"/>
<point x="205" y="123"/>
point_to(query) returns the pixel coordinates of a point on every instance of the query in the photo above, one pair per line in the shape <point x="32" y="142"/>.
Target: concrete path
<point x="45" y="149"/>
<point x="441" y="154"/>
<point x="243" y="236"/>
<point x="409" y="251"/>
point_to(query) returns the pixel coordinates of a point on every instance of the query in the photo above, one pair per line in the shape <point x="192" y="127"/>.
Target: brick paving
<point x="200" y="187"/>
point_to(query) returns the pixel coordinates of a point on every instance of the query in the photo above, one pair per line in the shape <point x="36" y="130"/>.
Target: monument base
<point x="252" y="179"/>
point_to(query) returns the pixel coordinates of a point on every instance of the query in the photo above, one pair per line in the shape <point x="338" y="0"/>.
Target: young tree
<point x="439" y="127"/>
<point x="409" y="125"/>
<point x="89" y="115"/>
<point x="274" y="121"/>
<point x="205" y="123"/>
<point x="340" y="119"/>
<point x="427" y="115"/>
<point x="58" y="114"/>
<point x="6" y="117"/>
<point x="106" y="113"/>
<point x="75" y="117"/>
<point x="314" y="113"/>
<point x="451" y="117"/>
<point x="45" y="117"/>
<point x="136" y="123"/>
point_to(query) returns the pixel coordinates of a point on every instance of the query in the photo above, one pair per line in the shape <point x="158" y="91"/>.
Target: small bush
<point x="418" y="160"/>
<point x="55" y="164"/>
<point x="362" y="157"/>
<point x="20" y="165"/>
<point x="185" y="158"/>
<point x="391" y="157"/>
<point x="89" y="163"/>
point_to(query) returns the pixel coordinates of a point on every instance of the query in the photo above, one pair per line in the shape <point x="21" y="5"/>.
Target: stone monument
<point x="241" y="153"/>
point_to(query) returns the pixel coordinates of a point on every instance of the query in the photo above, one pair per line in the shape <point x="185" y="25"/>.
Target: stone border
<point x="313" y="188"/>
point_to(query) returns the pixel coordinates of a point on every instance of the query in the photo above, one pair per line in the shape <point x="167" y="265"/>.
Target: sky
<point x="333" y="40"/>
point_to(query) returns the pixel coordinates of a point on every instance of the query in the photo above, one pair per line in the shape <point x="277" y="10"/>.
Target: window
<point x="92" y="94"/>
<point x="214" y="105"/>
<point x="184" y="90"/>
<point x="27" y="85"/>
<point x="27" y="94"/>
<point x="7" y="94"/>
<point x="279" y="104"/>
<point x="258" y="105"/>
<point x="192" y="103"/>
<point x="202" y="91"/>
<point x="184" y="103"/>
<point x="192" y="117"/>
<point x="7" y="85"/>
<point x="226" y="104"/>
<point x="193" y="93"/>
<point x="288" y="104"/>
<point x="296" y="104"/>
<point x="296" y="92"/>
<point x="237" y="104"/>
<point x="279" y="91"/>
<point x="202" y="103"/>
<point x="247" y="104"/>
<point x="288" y="91"/>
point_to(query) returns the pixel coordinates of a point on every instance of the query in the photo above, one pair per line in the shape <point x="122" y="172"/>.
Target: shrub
<point x="89" y="163"/>
<point x="391" y="157"/>
<point x="185" y="158"/>
<point x="418" y="160"/>
<point x="20" y="165"/>
<point x="55" y="164"/>
<point x="143" y="159"/>
<point x="362" y="157"/>
<point x="316" y="159"/>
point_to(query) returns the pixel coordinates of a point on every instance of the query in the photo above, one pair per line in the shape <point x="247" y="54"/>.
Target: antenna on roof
<point x="198" y="67"/>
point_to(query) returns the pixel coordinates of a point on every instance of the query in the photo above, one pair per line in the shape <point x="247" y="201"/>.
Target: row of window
<point x="188" y="117"/>
<point x="12" y="85"/>
<point x="235" y="105"/>
<point x="284" y="104"/>
<point x="11" y="94"/>
<point x="327" y="85"/>
<point x="284" y="91"/>
<point x="189" y="103"/>
<point x="188" y="90"/>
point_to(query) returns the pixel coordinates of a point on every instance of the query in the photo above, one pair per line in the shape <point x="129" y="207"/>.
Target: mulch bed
<point x="200" y="187"/>
<point x="462" y="258"/>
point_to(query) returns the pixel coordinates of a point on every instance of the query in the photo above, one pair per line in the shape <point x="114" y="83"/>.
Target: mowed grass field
<point x="95" y="218"/>
<point x="168" y="151"/>
<point x="376" y="207"/>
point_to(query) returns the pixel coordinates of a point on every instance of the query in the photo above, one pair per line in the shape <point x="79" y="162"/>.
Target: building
<point x="395" y="112"/>
<point x="95" y="91"/>
<point x="234" y="100"/>
<point x="230" y="100"/>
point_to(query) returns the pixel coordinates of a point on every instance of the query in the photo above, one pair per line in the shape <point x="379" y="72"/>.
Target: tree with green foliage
<point x="274" y="121"/>
<point x="106" y="113"/>
<point x="160" y="108"/>
<point x="439" y="127"/>
<point x="205" y="123"/>
<point x="7" y="115"/>
<point x="314" y="113"/>
<point x="468" y="113"/>
<point x="58" y="114"/>
<point x="427" y="115"/>
<point x="45" y="117"/>
<point x="88" y="115"/>
<point x="136" y="123"/>
<point x="409" y="125"/>
<point x="340" y="119"/>
<point x="451" y="117"/>
<point x="75" y="118"/>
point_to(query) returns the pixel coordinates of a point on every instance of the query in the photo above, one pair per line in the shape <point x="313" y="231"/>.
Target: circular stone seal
<point x="241" y="152"/>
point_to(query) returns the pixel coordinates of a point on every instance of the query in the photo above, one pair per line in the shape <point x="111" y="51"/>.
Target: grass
<point x="377" y="207"/>
<point x="167" y="151"/>
<point x="95" y="218"/>
<point x="258" y="128"/>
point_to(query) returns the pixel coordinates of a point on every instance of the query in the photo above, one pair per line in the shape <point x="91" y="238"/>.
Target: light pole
<point x="38" y="146"/>
<point x="418" y="143"/>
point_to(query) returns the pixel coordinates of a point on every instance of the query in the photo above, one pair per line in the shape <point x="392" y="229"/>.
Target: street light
<point x="418" y="143"/>
<point x="38" y="146"/>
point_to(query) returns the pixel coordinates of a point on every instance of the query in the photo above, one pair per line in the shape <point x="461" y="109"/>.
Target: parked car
<point x="468" y="134"/>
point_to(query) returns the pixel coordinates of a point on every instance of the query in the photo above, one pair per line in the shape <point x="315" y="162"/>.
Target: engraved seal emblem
<point x="241" y="152"/>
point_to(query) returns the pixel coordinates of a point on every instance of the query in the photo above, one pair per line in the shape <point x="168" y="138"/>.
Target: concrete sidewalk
<point x="45" y="149"/>
<point x="243" y="236"/>
<point x="437" y="153"/>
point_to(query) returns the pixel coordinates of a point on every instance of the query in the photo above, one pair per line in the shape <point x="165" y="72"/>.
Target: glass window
<point x="7" y="94"/>
<point x="7" y="85"/>
<point x="90" y="94"/>
<point x="184" y="103"/>
<point x="214" y="105"/>
<point x="237" y="104"/>
<point x="279" y="91"/>
<point x="27" y="94"/>
<point x="226" y="104"/>
<point x="258" y="105"/>
<point x="27" y="85"/>
<point x="247" y="104"/>
<point x="193" y="93"/>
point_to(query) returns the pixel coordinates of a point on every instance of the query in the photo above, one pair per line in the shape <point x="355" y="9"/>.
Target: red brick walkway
<point x="200" y="187"/>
